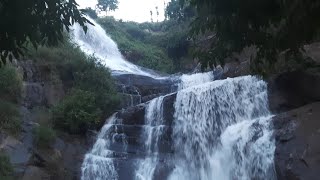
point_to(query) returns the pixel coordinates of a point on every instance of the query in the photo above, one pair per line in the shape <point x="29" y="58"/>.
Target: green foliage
<point x="35" y="22"/>
<point x="77" y="112"/>
<point x="10" y="84"/>
<point x="93" y="96"/>
<point x="9" y="117"/>
<point x="96" y="79"/>
<point x="107" y="5"/>
<point x="6" y="169"/>
<point x="179" y="10"/>
<point x="273" y="26"/>
<point x="10" y="92"/>
<point x="44" y="136"/>
<point x="130" y="37"/>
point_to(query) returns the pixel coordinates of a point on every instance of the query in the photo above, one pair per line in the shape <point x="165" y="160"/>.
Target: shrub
<point x="96" y="78"/>
<point x="6" y="169"/>
<point x="9" y="117"/>
<point x="10" y="84"/>
<point x="93" y="95"/>
<point x="77" y="112"/>
<point x="44" y="136"/>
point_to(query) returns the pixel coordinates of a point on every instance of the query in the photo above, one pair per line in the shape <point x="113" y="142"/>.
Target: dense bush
<point x="10" y="92"/>
<point x="44" y="136"/>
<point x="9" y="117"/>
<point x="10" y="84"/>
<point x="91" y="96"/>
<point x="6" y="169"/>
<point x="77" y="112"/>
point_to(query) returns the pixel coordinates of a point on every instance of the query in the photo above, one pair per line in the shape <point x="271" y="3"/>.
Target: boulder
<point x="293" y="89"/>
<point x="297" y="134"/>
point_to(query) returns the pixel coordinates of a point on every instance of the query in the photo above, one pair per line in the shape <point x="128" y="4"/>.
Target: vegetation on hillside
<point x="6" y="169"/>
<point x="10" y="92"/>
<point x="129" y="37"/>
<point x="162" y="46"/>
<point x="91" y="94"/>
<point x="44" y="136"/>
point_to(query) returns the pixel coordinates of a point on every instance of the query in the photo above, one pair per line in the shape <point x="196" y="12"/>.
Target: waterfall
<point x="97" y="43"/>
<point x="222" y="131"/>
<point x="98" y="164"/>
<point x="152" y="132"/>
<point x="217" y="129"/>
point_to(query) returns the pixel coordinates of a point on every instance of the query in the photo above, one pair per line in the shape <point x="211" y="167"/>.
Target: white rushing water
<point x="96" y="42"/>
<point x="152" y="132"/>
<point x="189" y="80"/>
<point x="222" y="131"/>
<point x="98" y="163"/>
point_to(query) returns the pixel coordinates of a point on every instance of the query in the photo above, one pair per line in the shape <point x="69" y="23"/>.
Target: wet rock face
<point x="131" y="127"/>
<point x="41" y="85"/>
<point x="297" y="134"/>
<point x="138" y="89"/>
<point x="293" y="89"/>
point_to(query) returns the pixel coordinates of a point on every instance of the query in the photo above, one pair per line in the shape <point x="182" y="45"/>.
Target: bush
<point x="10" y="93"/>
<point x="6" y="169"/>
<point x="9" y="117"/>
<point x="10" y="84"/>
<point x="77" y="112"/>
<point x="96" y="78"/>
<point x="93" y="95"/>
<point x="44" y="136"/>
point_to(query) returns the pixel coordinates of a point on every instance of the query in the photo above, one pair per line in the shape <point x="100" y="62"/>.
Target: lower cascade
<point x="217" y="130"/>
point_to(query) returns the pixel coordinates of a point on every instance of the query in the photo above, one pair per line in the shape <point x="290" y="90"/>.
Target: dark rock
<point x="133" y="115"/>
<point x="146" y="85"/>
<point x="313" y="51"/>
<point x="293" y="89"/>
<point x="297" y="134"/>
<point x="35" y="173"/>
<point x="128" y="100"/>
<point x="168" y="108"/>
<point x="33" y="94"/>
<point x="235" y="69"/>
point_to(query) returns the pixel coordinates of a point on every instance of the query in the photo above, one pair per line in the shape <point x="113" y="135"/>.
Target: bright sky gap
<point x="133" y="10"/>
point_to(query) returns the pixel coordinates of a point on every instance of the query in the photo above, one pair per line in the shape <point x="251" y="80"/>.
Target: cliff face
<point x="42" y="88"/>
<point x="294" y="98"/>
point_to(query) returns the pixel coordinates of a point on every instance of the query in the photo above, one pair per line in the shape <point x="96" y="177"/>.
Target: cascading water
<point x="152" y="132"/>
<point x="221" y="131"/>
<point x="188" y="80"/>
<point x="98" y="164"/>
<point x="97" y="43"/>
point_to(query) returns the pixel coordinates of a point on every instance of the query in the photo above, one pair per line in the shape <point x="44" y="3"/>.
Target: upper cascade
<point x="97" y="43"/>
